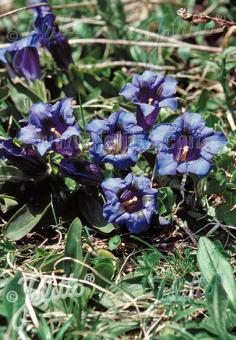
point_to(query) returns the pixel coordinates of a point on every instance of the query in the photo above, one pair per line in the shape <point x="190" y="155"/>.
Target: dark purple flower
<point x="27" y="160"/>
<point x="52" y="127"/>
<point x="56" y="43"/>
<point x="117" y="140"/>
<point x="82" y="171"/>
<point x="22" y="59"/>
<point x="186" y="146"/>
<point x="130" y="201"/>
<point x="150" y="92"/>
<point x="40" y="11"/>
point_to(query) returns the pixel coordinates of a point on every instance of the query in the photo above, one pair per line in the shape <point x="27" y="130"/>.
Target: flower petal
<point x="121" y="161"/>
<point x="112" y="210"/>
<point x="64" y="111"/>
<point x="166" y="164"/>
<point x="113" y="185"/>
<point x="147" y="109"/>
<point x="213" y="144"/>
<point x="161" y="134"/>
<point x="43" y="147"/>
<point x="139" y="221"/>
<point x="128" y="122"/>
<point x="169" y="102"/>
<point x="29" y="134"/>
<point x="39" y="112"/>
<point x="73" y="130"/>
<point x="129" y="91"/>
<point x="168" y="87"/>
<point x="192" y="121"/>
<point x="148" y="78"/>
<point x="200" y="167"/>
<point x="144" y="184"/>
<point x="97" y="126"/>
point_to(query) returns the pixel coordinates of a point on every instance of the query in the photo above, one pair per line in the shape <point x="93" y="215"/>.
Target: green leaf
<point x="212" y="120"/>
<point x="93" y="211"/>
<point x="202" y="102"/>
<point x="7" y="203"/>
<point x="13" y="297"/>
<point x="225" y="213"/>
<point x="169" y="200"/>
<point x="114" y="242"/>
<point x="106" y="268"/>
<point x="43" y="332"/>
<point x="117" y="328"/>
<point x="107" y="229"/>
<point x="211" y="263"/>
<point x="22" y="96"/>
<point x="217" y="306"/>
<point x="23" y="221"/>
<point x="217" y="184"/>
<point x="47" y="263"/>
<point x="123" y="291"/>
<point x="11" y="174"/>
<point x="73" y="249"/>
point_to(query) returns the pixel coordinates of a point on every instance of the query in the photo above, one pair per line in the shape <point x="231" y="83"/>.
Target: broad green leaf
<point x="124" y="292"/>
<point x="23" y="221"/>
<point x="114" y="242"/>
<point x="22" y="96"/>
<point x="101" y="252"/>
<point x="211" y="263"/>
<point x="217" y="306"/>
<point x="73" y="249"/>
<point x="92" y="210"/>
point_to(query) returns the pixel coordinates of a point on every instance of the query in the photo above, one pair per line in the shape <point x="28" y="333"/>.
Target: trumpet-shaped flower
<point x="117" y="140"/>
<point x="186" y="146"/>
<point x="55" y="42"/>
<point x="150" y="92"/>
<point x="130" y="201"/>
<point x="22" y="59"/>
<point x="52" y="127"/>
<point x="82" y="171"/>
<point x="27" y="160"/>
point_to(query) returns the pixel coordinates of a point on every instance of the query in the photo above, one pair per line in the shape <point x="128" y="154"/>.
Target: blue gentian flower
<point x="56" y="43"/>
<point x="52" y="127"/>
<point x="27" y="160"/>
<point x="186" y="146"/>
<point x="130" y="201"/>
<point x="22" y="58"/>
<point x="117" y="140"/>
<point x="150" y="92"/>
<point x="81" y="170"/>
